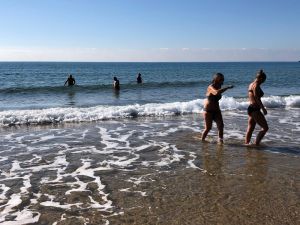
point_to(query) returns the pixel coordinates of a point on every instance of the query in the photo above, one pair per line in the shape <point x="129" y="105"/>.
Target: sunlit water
<point x="88" y="155"/>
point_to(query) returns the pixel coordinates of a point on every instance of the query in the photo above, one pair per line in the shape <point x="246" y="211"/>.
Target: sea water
<point x="34" y="93"/>
<point x="90" y="155"/>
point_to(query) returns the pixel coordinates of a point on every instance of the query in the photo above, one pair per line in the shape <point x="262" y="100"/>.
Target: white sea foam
<point x="293" y="101"/>
<point x="57" y="115"/>
<point x="168" y="154"/>
<point x="192" y="162"/>
<point x="23" y="217"/>
<point x="4" y="190"/>
<point x="3" y="158"/>
<point x="111" y="145"/>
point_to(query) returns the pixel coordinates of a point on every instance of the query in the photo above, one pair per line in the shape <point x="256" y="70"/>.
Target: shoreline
<point x="145" y="171"/>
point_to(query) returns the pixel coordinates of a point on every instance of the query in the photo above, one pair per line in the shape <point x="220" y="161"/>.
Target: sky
<point x="150" y="30"/>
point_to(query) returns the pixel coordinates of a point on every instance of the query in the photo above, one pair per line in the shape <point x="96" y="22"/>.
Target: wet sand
<point x="144" y="172"/>
<point x="236" y="186"/>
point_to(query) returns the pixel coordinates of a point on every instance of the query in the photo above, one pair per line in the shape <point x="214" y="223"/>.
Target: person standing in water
<point x="116" y="84"/>
<point x="212" y="111"/>
<point x="255" y="116"/>
<point x="139" y="79"/>
<point x="71" y="81"/>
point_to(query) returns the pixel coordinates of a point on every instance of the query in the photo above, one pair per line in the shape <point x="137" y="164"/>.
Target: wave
<point x="104" y="112"/>
<point x="230" y="103"/>
<point x="97" y="87"/>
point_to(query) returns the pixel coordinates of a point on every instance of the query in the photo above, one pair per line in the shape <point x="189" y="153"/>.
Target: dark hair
<point x="261" y="75"/>
<point x="216" y="76"/>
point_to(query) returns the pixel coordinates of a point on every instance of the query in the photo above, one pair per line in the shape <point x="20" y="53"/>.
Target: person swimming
<point x="139" y="79"/>
<point x="255" y="116"/>
<point x="116" y="83"/>
<point x="212" y="111"/>
<point x="71" y="81"/>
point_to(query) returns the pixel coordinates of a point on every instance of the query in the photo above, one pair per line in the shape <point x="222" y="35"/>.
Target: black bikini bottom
<point x="252" y="108"/>
<point x="214" y="113"/>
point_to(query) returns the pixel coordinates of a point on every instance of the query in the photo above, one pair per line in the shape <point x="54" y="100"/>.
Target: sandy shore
<point x="236" y="186"/>
<point x="144" y="172"/>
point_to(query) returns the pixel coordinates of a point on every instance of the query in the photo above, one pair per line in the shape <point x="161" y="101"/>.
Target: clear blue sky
<point x="125" y="29"/>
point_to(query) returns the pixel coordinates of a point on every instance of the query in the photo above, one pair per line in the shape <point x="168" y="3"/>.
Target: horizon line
<point x="62" y="61"/>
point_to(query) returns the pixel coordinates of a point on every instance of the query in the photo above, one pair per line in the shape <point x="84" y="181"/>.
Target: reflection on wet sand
<point x="213" y="159"/>
<point x="234" y="187"/>
<point x="141" y="172"/>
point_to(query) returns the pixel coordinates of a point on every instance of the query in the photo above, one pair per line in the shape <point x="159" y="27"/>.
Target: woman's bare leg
<point x="220" y="125"/>
<point x="208" y="124"/>
<point x="261" y="121"/>
<point x="250" y="129"/>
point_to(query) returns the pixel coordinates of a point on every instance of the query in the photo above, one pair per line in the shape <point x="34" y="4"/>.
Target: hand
<point x="229" y="87"/>
<point x="264" y="111"/>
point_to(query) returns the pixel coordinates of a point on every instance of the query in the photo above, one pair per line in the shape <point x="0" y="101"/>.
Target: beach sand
<point x="145" y="171"/>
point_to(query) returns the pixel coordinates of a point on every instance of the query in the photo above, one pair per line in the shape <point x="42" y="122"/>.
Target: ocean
<point x="88" y="154"/>
<point x="168" y="89"/>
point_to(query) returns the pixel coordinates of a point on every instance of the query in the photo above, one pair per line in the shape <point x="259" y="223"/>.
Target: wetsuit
<point x="71" y="81"/>
<point x="139" y="78"/>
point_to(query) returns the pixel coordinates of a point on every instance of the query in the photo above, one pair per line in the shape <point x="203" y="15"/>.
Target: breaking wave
<point x="104" y="112"/>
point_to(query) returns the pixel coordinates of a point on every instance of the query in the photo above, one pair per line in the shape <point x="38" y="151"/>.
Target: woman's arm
<point x="215" y="91"/>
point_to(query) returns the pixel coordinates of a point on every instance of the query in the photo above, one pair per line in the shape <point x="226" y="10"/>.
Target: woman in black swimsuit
<point x="212" y="110"/>
<point x="255" y="115"/>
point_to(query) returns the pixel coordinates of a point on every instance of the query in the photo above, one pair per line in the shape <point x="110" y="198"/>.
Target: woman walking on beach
<point x="255" y="115"/>
<point x="212" y="110"/>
